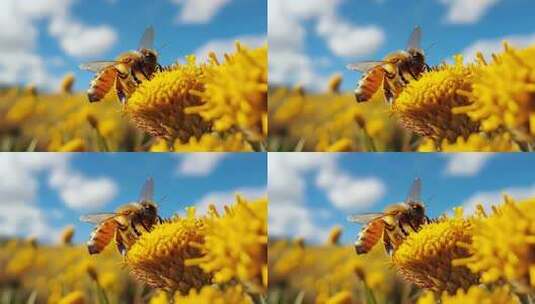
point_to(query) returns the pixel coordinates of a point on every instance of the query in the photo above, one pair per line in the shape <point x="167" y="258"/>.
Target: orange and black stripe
<point x="369" y="236"/>
<point x="101" y="236"/>
<point x="101" y="85"/>
<point x="369" y="84"/>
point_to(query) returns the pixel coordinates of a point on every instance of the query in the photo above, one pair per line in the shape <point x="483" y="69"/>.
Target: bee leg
<point x="134" y="229"/>
<point x="388" y="244"/>
<point x="160" y="220"/>
<point x="120" y="91"/>
<point x="120" y="243"/>
<point x="389" y="96"/>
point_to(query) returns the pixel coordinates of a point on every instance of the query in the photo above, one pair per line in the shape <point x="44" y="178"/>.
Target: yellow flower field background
<point x="219" y="105"/>
<point x="218" y="257"/>
<point x="483" y="258"/>
<point x="487" y="105"/>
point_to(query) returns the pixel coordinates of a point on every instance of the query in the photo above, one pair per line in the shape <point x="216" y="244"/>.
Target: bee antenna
<point x="162" y="199"/>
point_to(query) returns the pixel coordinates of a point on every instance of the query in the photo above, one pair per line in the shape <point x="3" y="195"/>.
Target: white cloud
<point x="19" y="21"/>
<point x="467" y="12"/>
<point x="20" y="212"/>
<point x="199" y="164"/>
<point x="294" y="220"/>
<point x="489" y="46"/>
<point x="288" y="61"/>
<point x="199" y="11"/>
<point x="221" y="198"/>
<point x="287" y="185"/>
<point x="347" y="192"/>
<point x="80" y="192"/>
<point x="466" y="164"/>
<point x="225" y="46"/>
<point x="347" y="40"/>
<point x="489" y="198"/>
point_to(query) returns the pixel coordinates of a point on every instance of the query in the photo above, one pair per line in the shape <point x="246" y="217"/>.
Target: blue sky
<point x="312" y="192"/>
<point x="325" y="35"/>
<point x="41" y="40"/>
<point x="42" y="193"/>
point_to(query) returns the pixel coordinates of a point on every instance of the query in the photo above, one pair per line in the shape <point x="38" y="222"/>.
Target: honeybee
<point x="127" y="71"/>
<point x="393" y="72"/>
<point x="393" y="224"/>
<point x="125" y="224"/>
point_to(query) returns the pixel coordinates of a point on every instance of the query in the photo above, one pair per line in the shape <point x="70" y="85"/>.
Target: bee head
<point x="417" y="55"/>
<point x="149" y="56"/>
<point x="149" y="208"/>
<point x="417" y="209"/>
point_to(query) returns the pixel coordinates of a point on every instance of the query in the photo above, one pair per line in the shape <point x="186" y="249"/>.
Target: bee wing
<point x="96" y="66"/>
<point x="96" y="218"/>
<point x="363" y="66"/>
<point x="415" y="39"/>
<point x="147" y="40"/>
<point x="415" y="191"/>
<point x="147" y="192"/>
<point x="364" y="218"/>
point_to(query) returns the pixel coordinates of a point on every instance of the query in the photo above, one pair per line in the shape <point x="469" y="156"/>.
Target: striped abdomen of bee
<point x="369" y="236"/>
<point x="102" y="84"/>
<point x="101" y="236"/>
<point x="369" y="84"/>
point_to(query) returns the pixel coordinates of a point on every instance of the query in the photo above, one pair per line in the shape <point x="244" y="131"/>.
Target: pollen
<point x="235" y="245"/>
<point x="425" y="105"/>
<point x="235" y="94"/>
<point x="158" y="106"/>
<point x="158" y="257"/>
<point x="425" y="257"/>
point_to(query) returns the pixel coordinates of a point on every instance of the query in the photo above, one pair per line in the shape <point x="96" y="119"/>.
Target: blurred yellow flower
<point x="474" y="295"/>
<point x="235" y="244"/>
<point x="425" y="257"/>
<point x="158" y="106"/>
<point x="214" y="295"/>
<point x="477" y="142"/>
<point x="74" y="145"/>
<point x="158" y="257"/>
<point x="503" y="93"/>
<point x="334" y="236"/>
<point x="75" y="297"/>
<point x="341" y="145"/>
<point x="159" y="297"/>
<point x="66" y="235"/>
<point x="425" y="105"/>
<point x="342" y="297"/>
<point x="335" y="81"/>
<point x="235" y="93"/>
<point x="67" y="83"/>
<point x="503" y="245"/>
<point x="213" y="142"/>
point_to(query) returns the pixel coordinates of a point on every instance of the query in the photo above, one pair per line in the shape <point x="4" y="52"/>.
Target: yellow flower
<point x="22" y="110"/>
<point x="161" y="145"/>
<point x="503" y="245"/>
<point x="235" y="93"/>
<point x="425" y="105"/>
<point x="66" y="235"/>
<point x="474" y="295"/>
<point x="334" y="83"/>
<point x="334" y="235"/>
<point x="66" y="83"/>
<point x="75" y="297"/>
<point x="157" y="106"/>
<point x="74" y="145"/>
<point x="477" y="142"/>
<point x="22" y="262"/>
<point x="214" y="295"/>
<point x="341" y="145"/>
<point x="235" y="245"/>
<point x="214" y="142"/>
<point x="157" y="258"/>
<point x="342" y="297"/>
<point x="159" y="297"/>
<point x="425" y="257"/>
<point x="503" y="92"/>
